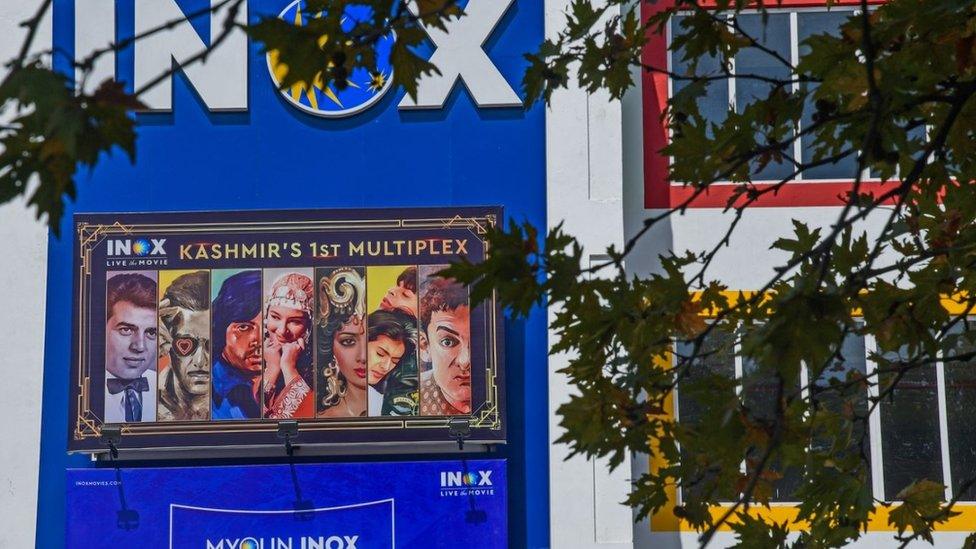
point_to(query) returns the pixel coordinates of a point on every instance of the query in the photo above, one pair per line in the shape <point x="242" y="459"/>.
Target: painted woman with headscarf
<point x="287" y="349"/>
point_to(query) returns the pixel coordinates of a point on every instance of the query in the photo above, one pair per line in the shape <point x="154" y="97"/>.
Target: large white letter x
<point x="459" y="54"/>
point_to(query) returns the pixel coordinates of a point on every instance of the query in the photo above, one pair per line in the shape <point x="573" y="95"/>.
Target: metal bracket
<point x="459" y="429"/>
<point x="288" y="429"/>
<point x="111" y="435"/>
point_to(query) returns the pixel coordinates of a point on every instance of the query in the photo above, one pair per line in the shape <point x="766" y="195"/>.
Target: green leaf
<point x="55" y="133"/>
<point x="921" y="502"/>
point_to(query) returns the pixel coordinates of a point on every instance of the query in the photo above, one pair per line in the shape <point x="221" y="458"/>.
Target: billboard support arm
<point x="288" y="429"/>
<point x="459" y="429"/>
<point x="111" y="435"/>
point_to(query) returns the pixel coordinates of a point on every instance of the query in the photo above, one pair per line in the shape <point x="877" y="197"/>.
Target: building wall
<point x="23" y="247"/>
<point x="584" y="167"/>
<point x="746" y="263"/>
<point x="594" y="180"/>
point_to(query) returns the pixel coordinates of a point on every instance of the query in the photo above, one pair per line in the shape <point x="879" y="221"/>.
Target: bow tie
<point x="116" y="385"/>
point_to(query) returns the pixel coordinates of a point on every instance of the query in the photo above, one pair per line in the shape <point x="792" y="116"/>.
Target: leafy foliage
<point x="921" y="503"/>
<point x="633" y="342"/>
<point x="52" y="131"/>
<point x="325" y="52"/>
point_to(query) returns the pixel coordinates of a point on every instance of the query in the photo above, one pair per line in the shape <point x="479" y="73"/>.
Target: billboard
<point x="207" y="329"/>
<point x="454" y="503"/>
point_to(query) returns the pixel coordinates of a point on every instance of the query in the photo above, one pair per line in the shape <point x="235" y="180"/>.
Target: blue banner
<point x="454" y="503"/>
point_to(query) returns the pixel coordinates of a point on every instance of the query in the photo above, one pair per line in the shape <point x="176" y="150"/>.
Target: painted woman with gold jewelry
<point x="341" y="331"/>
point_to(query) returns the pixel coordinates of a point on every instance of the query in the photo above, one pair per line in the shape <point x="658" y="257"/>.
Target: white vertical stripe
<point x="604" y="143"/>
<point x="605" y="147"/>
<point x="679" y="499"/>
<point x="732" y="72"/>
<point x="804" y="381"/>
<point x="943" y="429"/>
<point x="795" y="60"/>
<point x="738" y="368"/>
<point x="738" y="388"/>
<point x="668" y="36"/>
<point x="612" y="522"/>
<point x="874" y="423"/>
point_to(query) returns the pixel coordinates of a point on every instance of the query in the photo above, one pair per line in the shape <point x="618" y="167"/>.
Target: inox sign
<point x="221" y="80"/>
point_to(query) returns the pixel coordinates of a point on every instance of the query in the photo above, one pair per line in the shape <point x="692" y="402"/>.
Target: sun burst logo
<point x="141" y="247"/>
<point x="377" y="81"/>
<point x="362" y="89"/>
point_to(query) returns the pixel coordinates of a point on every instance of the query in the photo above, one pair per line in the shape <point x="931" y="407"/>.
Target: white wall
<point x="584" y="169"/>
<point x="23" y="249"/>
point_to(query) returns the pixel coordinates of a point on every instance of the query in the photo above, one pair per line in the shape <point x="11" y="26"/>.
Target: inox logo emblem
<point x="221" y="80"/>
<point x="139" y="247"/>
<point x="450" y="479"/>
<point x="304" y="542"/>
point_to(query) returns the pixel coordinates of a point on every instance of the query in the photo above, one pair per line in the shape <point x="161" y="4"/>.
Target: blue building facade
<point x="273" y="155"/>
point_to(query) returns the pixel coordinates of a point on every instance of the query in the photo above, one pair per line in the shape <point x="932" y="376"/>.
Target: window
<point x="924" y="429"/>
<point x="811" y="24"/>
<point x="783" y="33"/>
<point x="714" y="105"/>
<point x="831" y="391"/>
<point x="960" y="393"/>
<point x="910" y="439"/>
<point x="717" y="361"/>
<point x="759" y="395"/>
<point x="791" y="22"/>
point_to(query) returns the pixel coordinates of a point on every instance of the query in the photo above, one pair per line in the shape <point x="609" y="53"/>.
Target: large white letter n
<point x="221" y="80"/>
<point x="459" y="55"/>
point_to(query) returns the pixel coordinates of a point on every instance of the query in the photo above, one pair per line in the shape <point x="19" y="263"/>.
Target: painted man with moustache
<point x="237" y="347"/>
<point x="184" y="318"/>
<point x="130" y="349"/>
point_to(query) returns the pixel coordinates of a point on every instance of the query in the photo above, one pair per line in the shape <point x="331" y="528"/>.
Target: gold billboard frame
<point x="87" y="423"/>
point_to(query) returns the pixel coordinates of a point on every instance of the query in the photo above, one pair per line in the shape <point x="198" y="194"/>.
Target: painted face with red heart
<point x="190" y="352"/>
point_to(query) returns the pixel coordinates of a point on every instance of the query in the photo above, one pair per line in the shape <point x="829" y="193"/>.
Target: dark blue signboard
<point x="195" y="155"/>
<point x="337" y="506"/>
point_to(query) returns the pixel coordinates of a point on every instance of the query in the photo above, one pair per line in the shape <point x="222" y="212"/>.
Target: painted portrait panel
<point x="288" y="383"/>
<point x="445" y="345"/>
<point x="341" y="342"/>
<point x="237" y="328"/>
<point x="130" y="346"/>
<point x="184" y="345"/>
<point x="392" y="369"/>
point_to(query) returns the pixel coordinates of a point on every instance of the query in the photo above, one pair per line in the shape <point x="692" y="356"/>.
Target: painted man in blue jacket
<point x="237" y="347"/>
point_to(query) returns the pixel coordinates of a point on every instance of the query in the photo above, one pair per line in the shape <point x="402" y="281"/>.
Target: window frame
<point x="780" y="511"/>
<point x="659" y="192"/>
